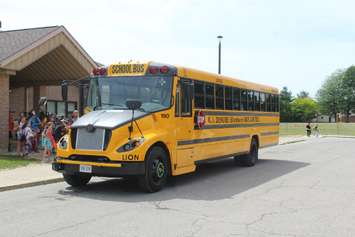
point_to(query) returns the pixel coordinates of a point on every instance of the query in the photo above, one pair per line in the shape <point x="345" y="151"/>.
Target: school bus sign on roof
<point x="131" y="69"/>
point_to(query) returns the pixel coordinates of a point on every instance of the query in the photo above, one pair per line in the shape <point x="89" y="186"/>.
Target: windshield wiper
<point x="114" y="106"/>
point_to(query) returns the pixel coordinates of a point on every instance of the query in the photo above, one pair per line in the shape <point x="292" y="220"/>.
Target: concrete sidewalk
<point x="31" y="175"/>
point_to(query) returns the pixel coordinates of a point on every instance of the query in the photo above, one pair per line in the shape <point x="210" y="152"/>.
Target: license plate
<point x="85" y="168"/>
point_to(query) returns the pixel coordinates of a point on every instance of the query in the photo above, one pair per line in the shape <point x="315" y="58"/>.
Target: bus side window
<point x="250" y="100"/>
<point x="228" y="97"/>
<point x="236" y="99"/>
<point x="276" y="106"/>
<point x="269" y="102"/>
<point x="219" y="97"/>
<point x="262" y="101"/>
<point x="273" y="107"/>
<point x="209" y="89"/>
<point x="257" y="100"/>
<point x="186" y="97"/>
<point x="199" y="95"/>
<point x="277" y="103"/>
<point x="244" y="100"/>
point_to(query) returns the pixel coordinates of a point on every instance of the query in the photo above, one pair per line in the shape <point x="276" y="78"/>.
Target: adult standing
<point x="35" y="124"/>
<point x="11" y="129"/>
<point x="20" y="135"/>
<point x="308" y="129"/>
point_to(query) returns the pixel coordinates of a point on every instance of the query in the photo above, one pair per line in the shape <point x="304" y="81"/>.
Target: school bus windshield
<point x="112" y="92"/>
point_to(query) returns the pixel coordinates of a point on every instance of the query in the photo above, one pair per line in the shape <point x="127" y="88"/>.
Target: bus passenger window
<point x="269" y="103"/>
<point x="228" y="97"/>
<point x="236" y="98"/>
<point x="186" y="97"/>
<point x="251" y="100"/>
<point x="274" y="100"/>
<point x="209" y="88"/>
<point x="277" y="103"/>
<point x="262" y="101"/>
<point x="219" y="97"/>
<point x="199" y="97"/>
<point x="257" y="100"/>
<point x="244" y="99"/>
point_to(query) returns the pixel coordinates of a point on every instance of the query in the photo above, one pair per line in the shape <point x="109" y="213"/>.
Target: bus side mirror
<point x="133" y="104"/>
<point x="64" y="87"/>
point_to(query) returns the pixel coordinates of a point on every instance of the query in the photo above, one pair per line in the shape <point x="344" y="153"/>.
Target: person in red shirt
<point x="11" y="129"/>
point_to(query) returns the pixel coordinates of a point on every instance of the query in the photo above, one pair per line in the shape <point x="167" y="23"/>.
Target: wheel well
<point x="165" y="148"/>
<point x="256" y="137"/>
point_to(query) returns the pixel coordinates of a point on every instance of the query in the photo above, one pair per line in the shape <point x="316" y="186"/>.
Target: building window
<point x="58" y="108"/>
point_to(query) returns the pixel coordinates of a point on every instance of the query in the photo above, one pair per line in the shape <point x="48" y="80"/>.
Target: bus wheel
<point x="76" y="180"/>
<point x="253" y="156"/>
<point x="156" y="170"/>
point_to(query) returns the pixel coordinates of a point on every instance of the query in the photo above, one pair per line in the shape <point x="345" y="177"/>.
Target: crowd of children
<point x="35" y="132"/>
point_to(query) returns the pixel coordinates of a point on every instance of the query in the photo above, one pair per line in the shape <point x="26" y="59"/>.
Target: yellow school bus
<point x="154" y="120"/>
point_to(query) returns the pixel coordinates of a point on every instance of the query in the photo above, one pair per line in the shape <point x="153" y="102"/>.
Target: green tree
<point x="329" y="96"/>
<point x="304" y="109"/>
<point x="303" y="94"/>
<point x="348" y="92"/>
<point x="285" y="105"/>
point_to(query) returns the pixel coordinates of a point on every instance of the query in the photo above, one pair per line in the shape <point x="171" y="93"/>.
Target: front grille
<point x="99" y="159"/>
<point x="90" y="140"/>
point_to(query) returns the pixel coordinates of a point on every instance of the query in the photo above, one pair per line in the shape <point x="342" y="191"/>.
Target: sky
<point x="274" y="42"/>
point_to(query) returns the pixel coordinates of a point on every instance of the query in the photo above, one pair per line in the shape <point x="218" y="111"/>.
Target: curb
<point x="32" y="184"/>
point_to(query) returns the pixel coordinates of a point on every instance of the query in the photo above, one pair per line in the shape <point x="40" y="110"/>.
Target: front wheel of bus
<point x="76" y="180"/>
<point x="253" y="156"/>
<point x="156" y="170"/>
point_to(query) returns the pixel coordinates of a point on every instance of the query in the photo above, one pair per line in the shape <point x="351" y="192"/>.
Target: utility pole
<point x="220" y="37"/>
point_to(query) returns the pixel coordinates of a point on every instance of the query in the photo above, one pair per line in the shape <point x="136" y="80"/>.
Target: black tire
<point x="250" y="159"/>
<point x="76" y="180"/>
<point x="156" y="170"/>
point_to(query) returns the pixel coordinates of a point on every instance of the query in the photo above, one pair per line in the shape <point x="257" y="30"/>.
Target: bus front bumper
<point x="98" y="169"/>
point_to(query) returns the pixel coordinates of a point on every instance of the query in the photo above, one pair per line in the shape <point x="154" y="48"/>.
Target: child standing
<point x="48" y="141"/>
<point x="28" y="136"/>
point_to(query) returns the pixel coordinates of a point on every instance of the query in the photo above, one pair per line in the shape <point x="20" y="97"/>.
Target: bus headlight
<point x="63" y="142"/>
<point x="130" y="145"/>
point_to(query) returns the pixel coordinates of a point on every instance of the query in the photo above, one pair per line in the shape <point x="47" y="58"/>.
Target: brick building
<point x="33" y="62"/>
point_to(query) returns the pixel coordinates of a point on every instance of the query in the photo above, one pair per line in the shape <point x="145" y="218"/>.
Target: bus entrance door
<point x="184" y="127"/>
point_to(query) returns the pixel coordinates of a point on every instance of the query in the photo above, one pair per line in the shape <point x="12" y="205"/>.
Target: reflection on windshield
<point x="112" y="92"/>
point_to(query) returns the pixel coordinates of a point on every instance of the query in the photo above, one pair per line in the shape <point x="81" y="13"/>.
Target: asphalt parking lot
<point x="301" y="189"/>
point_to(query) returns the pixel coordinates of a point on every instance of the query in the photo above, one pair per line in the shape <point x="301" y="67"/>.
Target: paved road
<point x="301" y="189"/>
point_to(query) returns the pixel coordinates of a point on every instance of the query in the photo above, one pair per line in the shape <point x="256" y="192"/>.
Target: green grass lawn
<point x="11" y="162"/>
<point x="324" y="128"/>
